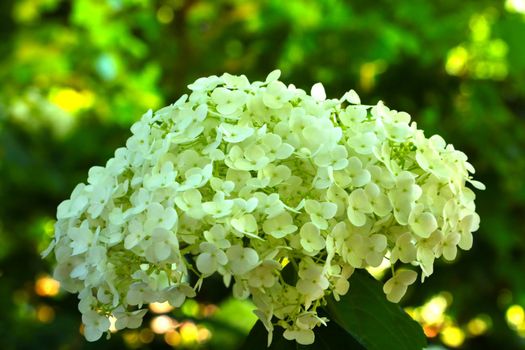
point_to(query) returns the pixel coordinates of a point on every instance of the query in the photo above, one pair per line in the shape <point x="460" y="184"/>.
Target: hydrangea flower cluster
<point x="242" y="178"/>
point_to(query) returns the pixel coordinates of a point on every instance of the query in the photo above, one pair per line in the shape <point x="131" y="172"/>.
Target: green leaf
<point x="369" y="317"/>
<point x="258" y="339"/>
<point x="331" y="337"/>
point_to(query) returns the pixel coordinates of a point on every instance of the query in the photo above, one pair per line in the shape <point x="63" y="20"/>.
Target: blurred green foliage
<point x="75" y="74"/>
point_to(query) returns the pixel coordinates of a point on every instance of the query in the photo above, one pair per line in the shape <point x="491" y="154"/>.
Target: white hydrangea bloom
<point x="237" y="178"/>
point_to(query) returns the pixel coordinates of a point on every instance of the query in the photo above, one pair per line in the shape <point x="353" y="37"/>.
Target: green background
<point x="74" y="75"/>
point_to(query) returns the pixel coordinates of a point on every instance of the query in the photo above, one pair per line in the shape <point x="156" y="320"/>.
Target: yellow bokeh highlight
<point x="162" y="324"/>
<point x="135" y="339"/>
<point x="435" y="322"/>
<point x="480" y="28"/>
<point x="456" y="60"/>
<point x="189" y="333"/>
<point x="520" y="329"/>
<point x="368" y="72"/>
<point x="49" y="228"/>
<point x="45" y="286"/>
<point x="132" y="339"/>
<point x="515" y="316"/>
<point x="25" y="11"/>
<point x="203" y="334"/>
<point x="482" y="56"/>
<point x="190" y="308"/>
<point x="433" y="312"/>
<point x="146" y="336"/>
<point x="160" y="308"/>
<point x="71" y="100"/>
<point x="172" y="338"/>
<point x="165" y="14"/>
<point x="479" y="325"/>
<point x="150" y="99"/>
<point x="453" y="336"/>
<point x="45" y="313"/>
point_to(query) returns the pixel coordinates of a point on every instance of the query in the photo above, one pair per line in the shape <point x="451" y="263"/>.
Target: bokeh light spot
<point x="46" y="286"/>
<point x="190" y="308"/>
<point x="70" y="100"/>
<point x="172" y="338"/>
<point x="479" y="325"/>
<point x="368" y="72"/>
<point x="452" y="336"/>
<point x="433" y="312"/>
<point x="203" y="334"/>
<point x="132" y="339"/>
<point x="49" y="227"/>
<point x="45" y="313"/>
<point x="162" y="324"/>
<point x="165" y="14"/>
<point x="480" y="28"/>
<point x="189" y="333"/>
<point x="25" y="11"/>
<point x="160" y="308"/>
<point x="515" y="316"/>
<point x="515" y="6"/>
<point x="456" y="60"/>
<point x="146" y="336"/>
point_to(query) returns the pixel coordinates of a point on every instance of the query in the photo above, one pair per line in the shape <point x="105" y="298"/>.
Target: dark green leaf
<point x="332" y="337"/>
<point x="289" y="274"/>
<point x="258" y="339"/>
<point x="369" y="317"/>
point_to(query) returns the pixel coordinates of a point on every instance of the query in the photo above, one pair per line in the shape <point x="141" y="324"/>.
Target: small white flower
<point x="318" y="92"/>
<point x="82" y="238"/>
<point x="264" y="275"/>
<point x="404" y="250"/>
<point x="311" y="239"/>
<point x="279" y="226"/>
<point x="358" y="206"/>
<point x="320" y="212"/>
<point x="190" y="203"/>
<point x="276" y="95"/>
<point x="396" y="287"/>
<point x="301" y="336"/>
<point x="94" y="325"/>
<point x="241" y="259"/>
<point x="235" y="133"/>
<point x="422" y="223"/>
<point x="210" y="259"/>
<point x="126" y="319"/>
<point x="228" y="101"/>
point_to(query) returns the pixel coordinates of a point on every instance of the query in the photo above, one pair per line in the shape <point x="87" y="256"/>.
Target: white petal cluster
<point x="239" y="179"/>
